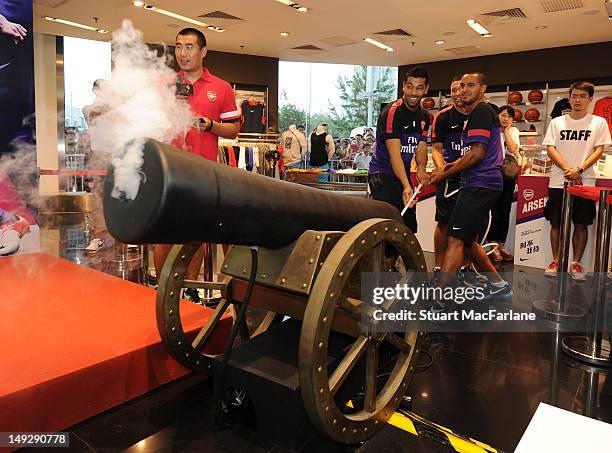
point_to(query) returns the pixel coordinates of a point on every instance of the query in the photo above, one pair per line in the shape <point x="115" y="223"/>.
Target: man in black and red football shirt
<point x="448" y="143"/>
<point x="401" y="133"/>
<point x="481" y="184"/>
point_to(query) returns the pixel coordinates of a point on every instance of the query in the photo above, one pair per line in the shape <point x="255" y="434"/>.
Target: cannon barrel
<point x="185" y="198"/>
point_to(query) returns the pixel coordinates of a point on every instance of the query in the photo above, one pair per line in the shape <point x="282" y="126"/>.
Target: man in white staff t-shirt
<point x="575" y="142"/>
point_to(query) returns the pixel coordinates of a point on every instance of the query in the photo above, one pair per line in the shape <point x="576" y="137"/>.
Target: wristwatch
<point x="209" y="127"/>
<point x="580" y="169"/>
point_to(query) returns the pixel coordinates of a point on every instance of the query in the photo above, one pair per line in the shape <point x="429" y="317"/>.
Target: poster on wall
<point x="18" y="186"/>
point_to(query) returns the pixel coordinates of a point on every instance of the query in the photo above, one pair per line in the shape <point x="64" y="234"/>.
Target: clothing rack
<point x="254" y="151"/>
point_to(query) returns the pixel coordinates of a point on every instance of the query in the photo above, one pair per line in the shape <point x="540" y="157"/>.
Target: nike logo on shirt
<point x="453" y="127"/>
<point x="455" y="228"/>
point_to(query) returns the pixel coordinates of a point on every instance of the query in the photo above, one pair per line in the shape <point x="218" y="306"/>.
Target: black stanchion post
<point x="593" y="349"/>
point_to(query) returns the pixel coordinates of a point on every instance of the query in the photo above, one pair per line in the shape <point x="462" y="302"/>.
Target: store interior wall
<point x="563" y="65"/>
<point x="250" y="70"/>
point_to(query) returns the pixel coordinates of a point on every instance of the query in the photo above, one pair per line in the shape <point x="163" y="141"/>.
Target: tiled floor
<point x="483" y="385"/>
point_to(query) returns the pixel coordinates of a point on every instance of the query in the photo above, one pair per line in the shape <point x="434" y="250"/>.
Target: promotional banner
<point x="532" y="238"/>
<point x="18" y="225"/>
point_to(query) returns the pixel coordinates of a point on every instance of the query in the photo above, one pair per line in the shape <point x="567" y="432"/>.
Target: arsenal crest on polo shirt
<point x="212" y="95"/>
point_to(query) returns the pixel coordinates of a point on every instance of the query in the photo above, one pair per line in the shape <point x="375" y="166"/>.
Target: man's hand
<point x="16" y="31"/>
<point x="407" y="195"/>
<point x="202" y="124"/>
<point x="437" y="177"/>
<point x="422" y="176"/>
<point x="572" y="174"/>
<point x="449" y="165"/>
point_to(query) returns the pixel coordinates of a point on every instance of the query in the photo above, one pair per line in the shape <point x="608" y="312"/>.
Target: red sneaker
<point x="507" y="257"/>
<point x="496" y="256"/>
<point x="21" y="226"/>
<point x="577" y="272"/>
<point x="552" y="269"/>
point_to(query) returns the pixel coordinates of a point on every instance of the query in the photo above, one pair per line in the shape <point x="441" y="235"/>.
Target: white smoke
<point x="138" y="102"/>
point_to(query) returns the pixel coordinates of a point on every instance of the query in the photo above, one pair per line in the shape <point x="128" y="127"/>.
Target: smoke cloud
<point x="138" y="102"/>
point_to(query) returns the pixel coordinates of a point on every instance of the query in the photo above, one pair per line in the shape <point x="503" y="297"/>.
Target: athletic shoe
<point x="471" y="278"/>
<point x="11" y="234"/>
<point x="507" y="257"/>
<point x="552" y="269"/>
<point x="9" y="241"/>
<point x="192" y="295"/>
<point x="499" y="291"/>
<point x="577" y="272"/>
<point x="94" y="245"/>
<point x="437" y="269"/>
<point x="496" y="256"/>
<point x="437" y="307"/>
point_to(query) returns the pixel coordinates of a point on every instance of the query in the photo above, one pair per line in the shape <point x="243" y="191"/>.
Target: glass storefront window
<point x="344" y="97"/>
<point x="85" y="61"/>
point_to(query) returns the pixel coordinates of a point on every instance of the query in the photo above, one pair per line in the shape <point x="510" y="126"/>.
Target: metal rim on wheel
<point x="317" y="386"/>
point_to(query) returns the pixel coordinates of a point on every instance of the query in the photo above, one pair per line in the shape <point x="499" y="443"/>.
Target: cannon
<point x="312" y="247"/>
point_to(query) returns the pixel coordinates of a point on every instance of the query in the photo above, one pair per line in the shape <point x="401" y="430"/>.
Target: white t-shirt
<point x="516" y="138"/>
<point x="575" y="141"/>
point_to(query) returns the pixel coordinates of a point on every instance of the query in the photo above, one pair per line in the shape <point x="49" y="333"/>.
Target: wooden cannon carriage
<point x="311" y="249"/>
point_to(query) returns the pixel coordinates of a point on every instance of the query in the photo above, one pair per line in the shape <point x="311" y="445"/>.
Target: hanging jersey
<point x="603" y="108"/>
<point x="318" y="149"/>
<point x="253" y="117"/>
<point x="483" y="127"/>
<point x="397" y="121"/>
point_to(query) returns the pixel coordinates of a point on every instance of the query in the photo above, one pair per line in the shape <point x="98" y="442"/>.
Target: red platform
<point x="75" y="342"/>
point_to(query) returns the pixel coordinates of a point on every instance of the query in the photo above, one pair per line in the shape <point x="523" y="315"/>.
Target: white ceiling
<point x="426" y="20"/>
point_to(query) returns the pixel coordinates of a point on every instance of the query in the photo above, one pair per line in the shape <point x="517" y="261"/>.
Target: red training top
<point x="603" y="108"/>
<point x="213" y="98"/>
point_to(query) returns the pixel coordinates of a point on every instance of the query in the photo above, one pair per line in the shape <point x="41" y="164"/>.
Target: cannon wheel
<point x="185" y="351"/>
<point x="319" y="389"/>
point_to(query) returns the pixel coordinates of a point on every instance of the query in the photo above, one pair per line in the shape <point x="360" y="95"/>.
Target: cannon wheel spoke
<point x="169" y="323"/>
<point x="324" y="391"/>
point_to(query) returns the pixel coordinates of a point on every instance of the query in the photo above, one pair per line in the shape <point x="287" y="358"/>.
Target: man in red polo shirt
<point x="213" y="104"/>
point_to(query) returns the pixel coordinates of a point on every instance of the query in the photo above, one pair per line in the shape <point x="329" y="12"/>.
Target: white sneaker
<point x="9" y="241"/>
<point x="94" y="245"/>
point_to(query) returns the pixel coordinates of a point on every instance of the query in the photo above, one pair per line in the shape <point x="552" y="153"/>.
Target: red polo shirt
<point x="213" y="98"/>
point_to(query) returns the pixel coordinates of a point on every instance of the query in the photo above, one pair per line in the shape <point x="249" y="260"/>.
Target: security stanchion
<point x="560" y="309"/>
<point x="593" y="349"/>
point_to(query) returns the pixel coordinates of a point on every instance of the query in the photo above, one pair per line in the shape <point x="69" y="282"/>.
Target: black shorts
<point x="446" y="204"/>
<point x="583" y="210"/>
<point x="388" y="188"/>
<point x="471" y="214"/>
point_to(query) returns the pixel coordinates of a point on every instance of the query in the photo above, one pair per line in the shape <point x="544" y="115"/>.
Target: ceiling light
<point x="302" y="9"/>
<point x="170" y="14"/>
<point x="378" y="44"/>
<point x="74" y="24"/>
<point x="478" y="28"/>
<point x="284" y="33"/>
<point x="540" y="27"/>
<point x="440" y="41"/>
<point x="488" y="35"/>
<point x="217" y="29"/>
